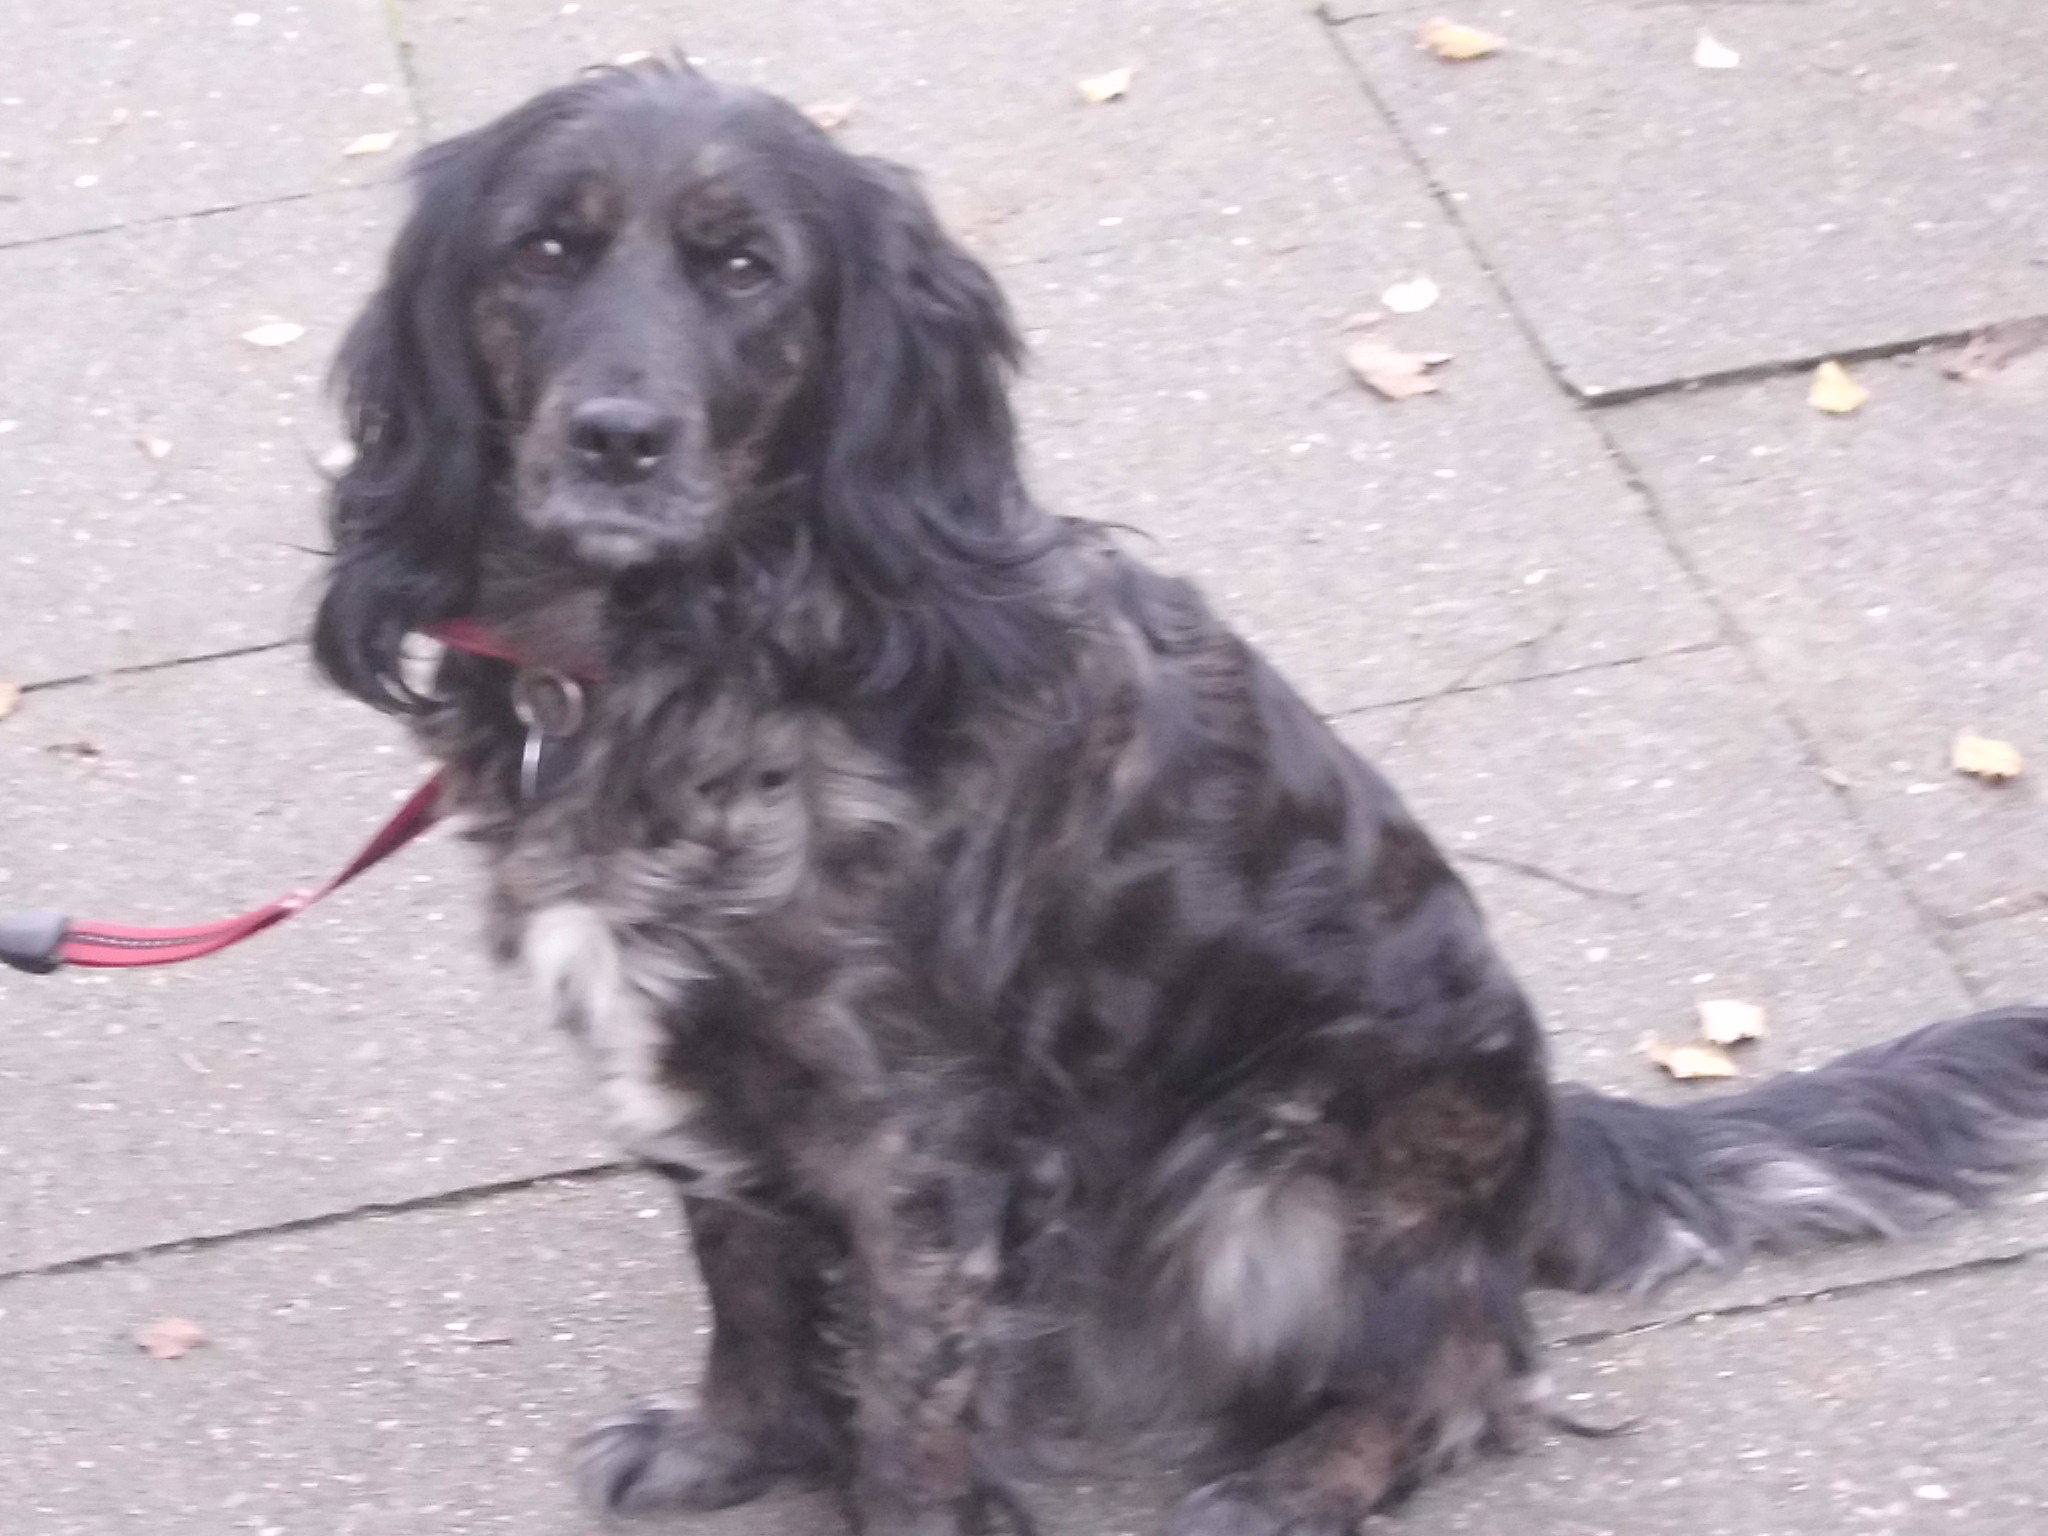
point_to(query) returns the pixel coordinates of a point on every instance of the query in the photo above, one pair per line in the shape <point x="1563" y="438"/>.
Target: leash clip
<point x="551" y="707"/>
<point x="33" y="941"/>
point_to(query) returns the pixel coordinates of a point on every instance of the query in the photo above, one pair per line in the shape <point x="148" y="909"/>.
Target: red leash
<point x="39" y="942"/>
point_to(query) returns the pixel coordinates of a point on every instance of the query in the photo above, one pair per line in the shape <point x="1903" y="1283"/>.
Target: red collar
<point x="475" y="637"/>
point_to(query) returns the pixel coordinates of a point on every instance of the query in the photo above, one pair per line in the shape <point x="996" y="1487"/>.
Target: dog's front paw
<point x="660" y="1456"/>
<point x="1243" y="1505"/>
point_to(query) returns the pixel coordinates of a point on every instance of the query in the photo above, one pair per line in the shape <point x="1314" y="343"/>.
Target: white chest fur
<point x="624" y="1002"/>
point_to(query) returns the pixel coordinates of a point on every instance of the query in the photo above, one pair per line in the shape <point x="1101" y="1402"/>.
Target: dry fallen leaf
<point x="10" y="699"/>
<point x="170" y="1338"/>
<point x="1694" y="1059"/>
<point x="1396" y="374"/>
<point x="152" y="445"/>
<point x="830" y="115"/>
<point x="1834" y="391"/>
<point x="1106" y="87"/>
<point x="1986" y="759"/>
<point x="1726" y="1021"/>
<point x="278" y="333"/>
<point x="1711" y="54"/>
<point x="1450" y="40"/>
<point x="1412" y="297"/>
<point x="370" y="144"/>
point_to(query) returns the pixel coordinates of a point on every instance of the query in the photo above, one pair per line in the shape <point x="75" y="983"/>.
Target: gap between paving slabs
<point x="1874" y="158"/>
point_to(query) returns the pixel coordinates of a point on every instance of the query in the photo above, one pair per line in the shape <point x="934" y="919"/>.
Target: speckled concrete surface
<point x="1674" y="679"/>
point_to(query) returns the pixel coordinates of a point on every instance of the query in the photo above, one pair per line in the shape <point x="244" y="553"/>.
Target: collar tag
<point x="551" y="707"/>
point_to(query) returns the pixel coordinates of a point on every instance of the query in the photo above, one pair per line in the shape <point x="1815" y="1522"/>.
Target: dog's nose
<point x="620" y="440"/>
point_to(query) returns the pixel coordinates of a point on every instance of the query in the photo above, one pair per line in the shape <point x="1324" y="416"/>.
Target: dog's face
<point x="647" y="316"/>
<point x="647" y="308"/>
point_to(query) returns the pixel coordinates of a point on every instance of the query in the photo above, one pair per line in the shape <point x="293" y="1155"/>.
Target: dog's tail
<point x="1867" y="1146"/>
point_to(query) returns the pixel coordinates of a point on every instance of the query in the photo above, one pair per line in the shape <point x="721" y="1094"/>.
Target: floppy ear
<point x="430" y="458"/>
<point x="922" y="499"/>
<point x="404" y="515"/>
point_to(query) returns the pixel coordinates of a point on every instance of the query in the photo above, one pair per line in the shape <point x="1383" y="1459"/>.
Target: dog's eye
<point x="740" y="271"/>
<point x="544" y="255"/>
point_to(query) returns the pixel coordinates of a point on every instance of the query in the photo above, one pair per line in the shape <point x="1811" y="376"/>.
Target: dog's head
<point x="623" y="322"/>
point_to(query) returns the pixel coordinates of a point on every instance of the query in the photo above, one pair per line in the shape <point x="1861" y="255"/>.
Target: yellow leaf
<point x="830" y="115"/>
<point x="1834" y="391"/>
<point x="1395" y="374"/>
<point x="1982" y="758"/>
<point x="1695" y="1059"/>
<point x="1713" y="54"/>
<point x="10" y="697"/>
<point x="1107" y="87"/>
<point x="370" y="144"/>
<point x="1412" y="297"/>
<point x="278" y="333"/>
<point x="1450" y="40"/>
<point x="1724" y="1021"/>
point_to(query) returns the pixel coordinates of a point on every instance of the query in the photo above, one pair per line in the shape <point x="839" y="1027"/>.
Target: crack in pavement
<point x="151" y="221"/>
<point x="168" y="664"/>
<point x="1578" y="669"/>
<point x="469" y="1194"/>
<point x="1846" y="1288"/>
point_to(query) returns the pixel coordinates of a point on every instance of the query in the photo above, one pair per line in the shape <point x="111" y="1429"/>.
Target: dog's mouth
<point x="611" y="529"/>
<point x="615" y="541"/>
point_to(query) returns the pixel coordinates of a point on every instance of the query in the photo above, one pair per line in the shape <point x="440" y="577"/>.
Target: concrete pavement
<point x="1669" y="659"/>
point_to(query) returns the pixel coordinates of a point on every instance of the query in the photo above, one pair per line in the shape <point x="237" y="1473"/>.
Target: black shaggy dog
<point x="1041" y="1014"/>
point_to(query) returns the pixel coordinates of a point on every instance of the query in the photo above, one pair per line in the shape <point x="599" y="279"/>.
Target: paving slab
<point x="1378" y="551"/>
<point x="1908" y="1410"/>
<point x="128" y="110"/>
<point x="113" y="556"/>
<point x="361" y="1053"/>
<point x="1870" y="174"/>
<point x="2007" y="960"/>
<point x="1650" y="836"/>
<point x="401" y="1374"/>
<point x="1888" y="570"/>
<point x="986" y="105"/>
<point x="1647" y="836"/>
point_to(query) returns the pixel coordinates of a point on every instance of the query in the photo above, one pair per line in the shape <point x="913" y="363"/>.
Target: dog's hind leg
<point x="1336" y="1259"/>
<point x="1379" y="1438"/>
<point x="761" y="1410"/>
